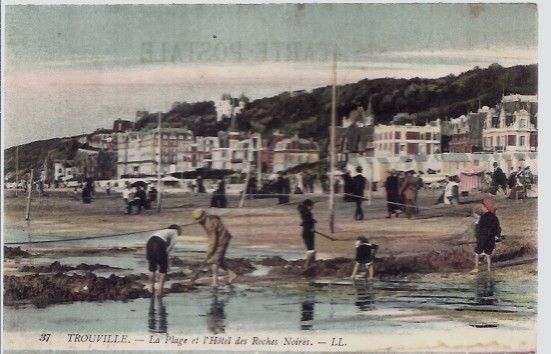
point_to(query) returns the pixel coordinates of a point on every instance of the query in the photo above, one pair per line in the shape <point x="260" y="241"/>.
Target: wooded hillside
<point x="307" y="114"/>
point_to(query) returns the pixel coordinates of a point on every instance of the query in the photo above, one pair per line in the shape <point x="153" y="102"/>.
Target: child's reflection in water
<point x="157" y="316"/>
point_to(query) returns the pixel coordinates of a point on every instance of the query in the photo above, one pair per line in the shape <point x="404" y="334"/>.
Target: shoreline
<point x="438" y="244"/>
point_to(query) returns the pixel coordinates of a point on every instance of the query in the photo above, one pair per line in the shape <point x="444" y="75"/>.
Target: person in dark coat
<point x="140" y="200"/>
<point x="200" y="185"/>
<point x="348" y="187"/>
<point x="283" y="188"/>
<point x="512" y="181"/>
<point x="218" y="199"/>
<point x="499" y="179"/>
<point x="153" y="193"/>
<point x="392" y="196"/>
<point x="488" y="232"/>
<point x="358" y="187"/>
<point x="308" y="230"/>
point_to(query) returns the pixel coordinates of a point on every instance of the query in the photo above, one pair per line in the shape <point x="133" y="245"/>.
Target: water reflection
<point x="364" y="296"/>
<point x="157" y="316"/>
<point x="216" y="316"/>
<point x="484" y="289"/>
<point x="307" y="314"/>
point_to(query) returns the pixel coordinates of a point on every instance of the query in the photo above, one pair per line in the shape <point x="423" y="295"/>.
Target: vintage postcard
<point x="271" y="177"/>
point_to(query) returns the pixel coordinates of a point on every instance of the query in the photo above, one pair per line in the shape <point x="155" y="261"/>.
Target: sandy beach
<point x="98" y="250"/>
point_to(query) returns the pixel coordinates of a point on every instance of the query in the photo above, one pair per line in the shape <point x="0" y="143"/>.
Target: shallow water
<point x="381" y="304"/>
<point x="135" y="261"/>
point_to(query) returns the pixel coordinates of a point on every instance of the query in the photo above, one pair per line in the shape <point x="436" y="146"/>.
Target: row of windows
<point x="409" y="135"/>
<point x="509" y="140"/>
<point x="495" y="123"/>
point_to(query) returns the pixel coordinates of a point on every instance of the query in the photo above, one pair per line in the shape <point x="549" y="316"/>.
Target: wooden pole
<point x="259" y="161"/>
<point x="30" y="190"/>
<point x="246" y="186"/>
<point x="16" y="169"/>
<point x="159" y="166"/>
<point x="370" y="185"/>
<point x="332" y="143"/>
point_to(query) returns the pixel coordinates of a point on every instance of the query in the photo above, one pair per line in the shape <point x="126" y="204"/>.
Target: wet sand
<point x="80" y="263"/>
<point x="437" y="242"/>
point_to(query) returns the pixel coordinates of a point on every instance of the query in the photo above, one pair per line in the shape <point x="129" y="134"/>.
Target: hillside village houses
<point x="461" y="140"/>
<point x="506" y="134"/>
<point x="514" y="128"/>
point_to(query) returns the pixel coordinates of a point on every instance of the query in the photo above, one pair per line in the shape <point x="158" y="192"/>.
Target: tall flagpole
<point x="159" y="182"/>
<point x="16" y="169"/>
<point x="30" y="190"/>
<point x="332" y="142"/>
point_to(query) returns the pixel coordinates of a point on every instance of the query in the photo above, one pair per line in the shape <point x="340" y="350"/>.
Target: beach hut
<point x="472" y="179"/>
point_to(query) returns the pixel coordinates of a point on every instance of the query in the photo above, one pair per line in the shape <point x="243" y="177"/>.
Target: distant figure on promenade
<point x="451" y="191"/>
<point x="283" y="188"/>
<point x="219" y="239"/>
<point x="365" y="254"/>
<point x="308" y="224"/>
<point x="528" y="178"/>
<point x="499" y="179"/>
<point x="392" y="198"/>
<point x="408" y="191"/>
<point x="348" y="187"/>
<point x="153" y="195"/>
<point x="108" y="188"/>
<point x="309" y="183"/>
<point x="126" y="196"/>
<point x="218" y="199"/>
<point x="139" y="200"/>
<point x="358" y="188"/>
<point x="86" y="195"/>
<point x="488" y="232"/>
<point x="419" y="184"/>
<point x="157" y="249"/>
<point x="512" y="178"/>
<point x="200" y="186"/>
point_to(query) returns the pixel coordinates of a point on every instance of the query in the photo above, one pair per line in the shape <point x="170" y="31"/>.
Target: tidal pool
<point x="476" y="307"/>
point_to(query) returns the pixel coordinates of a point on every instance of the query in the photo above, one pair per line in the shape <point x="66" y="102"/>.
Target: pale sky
<point x="72" y="69"/>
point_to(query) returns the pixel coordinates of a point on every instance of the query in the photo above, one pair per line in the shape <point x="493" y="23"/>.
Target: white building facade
<point x="138" y="151"/>
<point x="294" y="151"/>
<point x="513" y="129"/>
<point x="239" y="155"/>
<point x="405" y="140"/>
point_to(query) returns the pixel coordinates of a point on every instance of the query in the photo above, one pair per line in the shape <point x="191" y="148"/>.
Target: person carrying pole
<point x="157" y="249"/>
<point x="219" y="239"/>
<point x="308" y="230"/>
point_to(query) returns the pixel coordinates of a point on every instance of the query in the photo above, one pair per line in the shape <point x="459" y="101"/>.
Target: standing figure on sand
<point x="409" y="190"/>
<point x="219" y="239"/>
<point x="358" y="187"/>
<point x="157" y="249"/>
<point x="488" y="231"/>
<point x="392" y="196"/>
<point x="308" y="231"/>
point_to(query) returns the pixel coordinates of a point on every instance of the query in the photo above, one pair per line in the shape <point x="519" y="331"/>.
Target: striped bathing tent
<point x="472" y="179"/>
